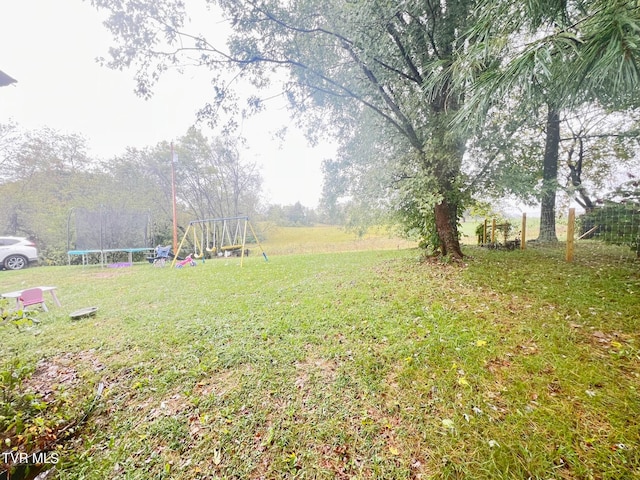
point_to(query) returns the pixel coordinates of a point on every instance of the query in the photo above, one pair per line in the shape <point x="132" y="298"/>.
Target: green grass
<point x="328" y="238"/>
<point x="368" y="364"/>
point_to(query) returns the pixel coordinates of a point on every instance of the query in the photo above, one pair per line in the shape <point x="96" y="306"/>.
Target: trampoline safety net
<point x="110" y="229"/>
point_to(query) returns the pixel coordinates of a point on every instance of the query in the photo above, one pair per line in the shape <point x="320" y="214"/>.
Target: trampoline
<point x="98" y="235"/>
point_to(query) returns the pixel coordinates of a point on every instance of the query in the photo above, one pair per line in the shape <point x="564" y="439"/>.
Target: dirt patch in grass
<point x="323" y="368"/>
<point x="61" y="372"/>
<point x="113" y="273"/>
<point x="221" y="383"/>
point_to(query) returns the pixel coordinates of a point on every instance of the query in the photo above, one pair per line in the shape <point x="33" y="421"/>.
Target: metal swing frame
<point x="225" y="224"/>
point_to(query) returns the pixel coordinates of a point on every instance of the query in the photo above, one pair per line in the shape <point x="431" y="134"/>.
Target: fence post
<point x="523" y="241"/>
<point x="571" y="227"/>
<point x="493" y="231"/>
<point x="484" y="235"/>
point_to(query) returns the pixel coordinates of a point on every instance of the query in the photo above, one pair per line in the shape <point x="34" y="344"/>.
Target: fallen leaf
<point x="481" y="343"/>
<point x="394" y="451"/>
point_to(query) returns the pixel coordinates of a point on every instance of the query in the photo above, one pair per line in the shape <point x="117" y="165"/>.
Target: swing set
<point x="219" y="237"/>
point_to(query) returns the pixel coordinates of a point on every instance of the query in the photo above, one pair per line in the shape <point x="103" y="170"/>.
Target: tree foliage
<point x="214" y="181"/>
<point x="338" y="59"/>
<point x="556" y="54"/>
<point x="361" y="184"/>
<point x="45" y="174"/>
<point x="576" y="50"/>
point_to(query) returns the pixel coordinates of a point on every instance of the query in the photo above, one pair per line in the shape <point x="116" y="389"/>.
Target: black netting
<point x="109" y="229"/>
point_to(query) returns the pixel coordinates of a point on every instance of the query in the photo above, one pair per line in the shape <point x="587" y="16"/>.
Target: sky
<point x="50" y="47"/>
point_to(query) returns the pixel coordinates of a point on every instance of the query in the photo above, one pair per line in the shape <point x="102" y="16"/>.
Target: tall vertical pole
<point x="571" y="228"/>
<point x="493" y="231"/>
<point x="173" y="202"/>
<point x="523" y="240"/>
<point x="484" y="232"/>
<point x="244" y="240"/>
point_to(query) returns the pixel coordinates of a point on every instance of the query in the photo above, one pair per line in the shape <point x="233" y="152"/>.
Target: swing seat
<point x="227" y="248"/>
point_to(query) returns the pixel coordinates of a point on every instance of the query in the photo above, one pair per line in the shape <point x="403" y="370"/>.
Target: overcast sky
<point x="50" y="48"/>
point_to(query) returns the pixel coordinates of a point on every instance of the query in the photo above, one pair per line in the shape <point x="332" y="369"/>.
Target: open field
<point x="328" y="238"/>
<point x="370" y="364"/>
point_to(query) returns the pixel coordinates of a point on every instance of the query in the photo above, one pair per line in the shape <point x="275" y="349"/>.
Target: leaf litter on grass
<point x="342" y="366"/>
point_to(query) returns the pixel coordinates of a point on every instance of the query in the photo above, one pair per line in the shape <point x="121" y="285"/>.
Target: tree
<point x="598" y="148"/>
<point x="213" y="181"/>
<point x="24" y="154"/>
<point x="44" y="173"/>
<point x="361" y="184"/>
<point x="342" y="57"/>
<point x="559" y="53"/>
<point x="296" y="214"/>
<point x="595" y="147"/>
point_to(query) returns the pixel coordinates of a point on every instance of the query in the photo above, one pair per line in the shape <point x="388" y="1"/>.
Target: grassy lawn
<point x="328" y="238"/>
<point x="368" y="364"/>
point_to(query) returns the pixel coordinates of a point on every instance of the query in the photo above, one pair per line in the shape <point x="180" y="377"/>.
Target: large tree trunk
<point x="575" y="174"/>
<point x="550" y="178"/>
<point x="447" y="154"/>
<point x="446" y="225"/>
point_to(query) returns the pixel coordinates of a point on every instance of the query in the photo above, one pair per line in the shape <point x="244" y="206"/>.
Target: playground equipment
<point x="163" y="254"/>
<point x="187" y="261"/>
<point x="198" y="243"/>
<point x="220" y="237"/>
<point x="107" y="231"/>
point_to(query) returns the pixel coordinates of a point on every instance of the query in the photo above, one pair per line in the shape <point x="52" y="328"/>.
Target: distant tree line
<point x="44" y="174"/>
<point x="298" y="215"/>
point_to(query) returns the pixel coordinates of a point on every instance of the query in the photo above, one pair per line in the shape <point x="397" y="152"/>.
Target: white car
<point x="17" y="252"/>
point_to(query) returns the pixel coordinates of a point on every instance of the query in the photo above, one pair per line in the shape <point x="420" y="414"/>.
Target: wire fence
<point x="612" y="231"/>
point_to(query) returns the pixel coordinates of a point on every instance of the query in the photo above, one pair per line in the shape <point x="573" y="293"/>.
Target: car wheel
<point x="15" y="262"/>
